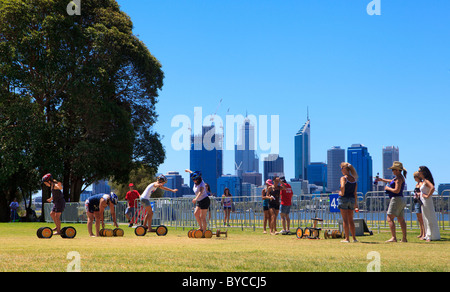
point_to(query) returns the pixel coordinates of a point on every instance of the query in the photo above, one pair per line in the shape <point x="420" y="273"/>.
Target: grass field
<point x="243" y="251"/>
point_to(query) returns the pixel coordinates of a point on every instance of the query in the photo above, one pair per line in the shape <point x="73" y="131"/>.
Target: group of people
<point x="423" y="192"/>
<point x="277" y="197"/>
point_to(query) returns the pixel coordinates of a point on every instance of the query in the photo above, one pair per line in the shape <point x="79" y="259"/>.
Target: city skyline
<point x="375" y="80"/>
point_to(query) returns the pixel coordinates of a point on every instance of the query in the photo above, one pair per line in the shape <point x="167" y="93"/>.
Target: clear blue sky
<point x="375" y="80"/>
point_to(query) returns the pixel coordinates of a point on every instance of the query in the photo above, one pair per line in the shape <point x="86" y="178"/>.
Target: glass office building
<point x="390" y="154"/>
<point x="302" y="150"/>
<point x="335" y="156"/>
<point x="206" y="155"/>
<point x="358" y="155"/>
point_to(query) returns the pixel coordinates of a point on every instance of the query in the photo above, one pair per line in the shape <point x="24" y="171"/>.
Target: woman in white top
<point x="146" y="195"/>
<point x="201" y="199"/>
<point x="429" y="215"/>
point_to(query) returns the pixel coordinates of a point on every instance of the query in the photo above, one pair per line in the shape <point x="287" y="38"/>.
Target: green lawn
<point x="242" y="251"/>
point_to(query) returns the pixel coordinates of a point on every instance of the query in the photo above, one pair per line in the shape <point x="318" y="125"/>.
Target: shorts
<point x="266" y="208"/>
<point x="418" y="208"/>
<point x="145" y="203"/>
<point x="59" y="207"/>
<point x="285" y="209"/>
<point x="346" y="203"/>
<point x="397" y="206"/>
<point x="227" y="207"/>
<point x="129" y="211"/>
<point x="204" y="204"/>
<point x="90" y="208"/>
<point x="274" y="205"/>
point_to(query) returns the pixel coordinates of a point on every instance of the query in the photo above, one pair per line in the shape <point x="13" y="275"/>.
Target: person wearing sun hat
<point x="397" y="203"/>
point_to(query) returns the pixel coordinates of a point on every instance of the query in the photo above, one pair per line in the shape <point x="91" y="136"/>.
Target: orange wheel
<point x="161" y="230"/>
<point x="118" y="232"/>
<point x="198" y="234"/>
<point x="69" y="232"/>
<point x="46" y="232"/>
<point x="140" y="230"/>
<point x="299" y="233"/>
<point x="208" y="234"/>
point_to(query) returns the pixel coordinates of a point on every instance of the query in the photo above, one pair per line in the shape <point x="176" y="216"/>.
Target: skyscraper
<point x="390" y="154"/>
<point x="273" y="165"/>
<point x="335" y="156"/>
<point x="174" y="181"/>
<point x="245" y="157"/>
<point x="302" y="147"/>
<point x="209" y="157"/>
<point x="359" y="157"/>
<point x="317" y="174"/>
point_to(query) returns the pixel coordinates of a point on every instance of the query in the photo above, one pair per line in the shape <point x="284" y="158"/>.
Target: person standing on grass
<point x="429" y="215"/>
<point x="201" y="199"/>
<point x="274" y="203"/>
<point x="397" y="203"/>
<point x="348" y="199"/>
<point x="286" y="202"/>
<point x="57" y="198"/>
<point x="95" y="209"/>
<point x="132" y="196"/>
<point x="227" y="202"/>
<point x="146" y="195"/>
<point x="266" y="198"/>
<point x="418" y="204"/>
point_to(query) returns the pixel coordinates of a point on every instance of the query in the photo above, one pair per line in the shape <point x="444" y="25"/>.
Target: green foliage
<point x="89" y="85"/>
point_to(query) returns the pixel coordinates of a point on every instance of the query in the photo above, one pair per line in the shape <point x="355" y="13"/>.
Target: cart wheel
<point x="299" y="233"/>
<point x="140" y="230"/>
<point x="161" y="230"/>
<point x="68" y="232"/>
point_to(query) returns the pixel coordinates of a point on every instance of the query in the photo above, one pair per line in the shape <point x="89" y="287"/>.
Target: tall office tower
<point x="254" y="178"/>
<point x="232" y="182"/>
<point x="101" y="187"/>
<point x="273" y="166"/>
<point x="245" y="157"/>
<point x="206" y="155"/>
<point x="335" y="156"/>
<point x="174" y="181"/>
<point x="359" y="157"/>
<point x="390" y="154"/>
<point x="317" y="174"/>
<point x="302" y="143"/>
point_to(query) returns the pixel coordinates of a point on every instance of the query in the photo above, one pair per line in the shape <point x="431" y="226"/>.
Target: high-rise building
<point x="358" y="156"/>
<point x="390" y="154"/>
<point x="174" y="181"/>
<point x="206" y="155"/>
<point x="101" y="187"/>
<point x="273" y="166"/>
<point x="254" y="178"/>
<point x="245" y="157"/>
<point x="232" y="182"/>
<point x="302" y="143"/>
<point x="317" y="174"/>
<point x="444" y="189"/>
<point x="335" y="156"/>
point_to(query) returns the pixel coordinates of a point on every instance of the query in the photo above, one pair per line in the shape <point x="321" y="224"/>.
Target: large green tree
<point x="92" y="86"/>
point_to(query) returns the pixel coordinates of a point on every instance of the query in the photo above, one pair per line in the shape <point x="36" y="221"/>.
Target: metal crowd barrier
<point x="247" y="212"/>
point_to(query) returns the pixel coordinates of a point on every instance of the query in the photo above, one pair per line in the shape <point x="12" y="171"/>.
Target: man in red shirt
<point x="131" y="197"/>
<point x="286" y="202"/>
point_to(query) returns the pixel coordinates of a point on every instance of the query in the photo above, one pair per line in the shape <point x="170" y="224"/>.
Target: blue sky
<point x="376" y="80"/>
